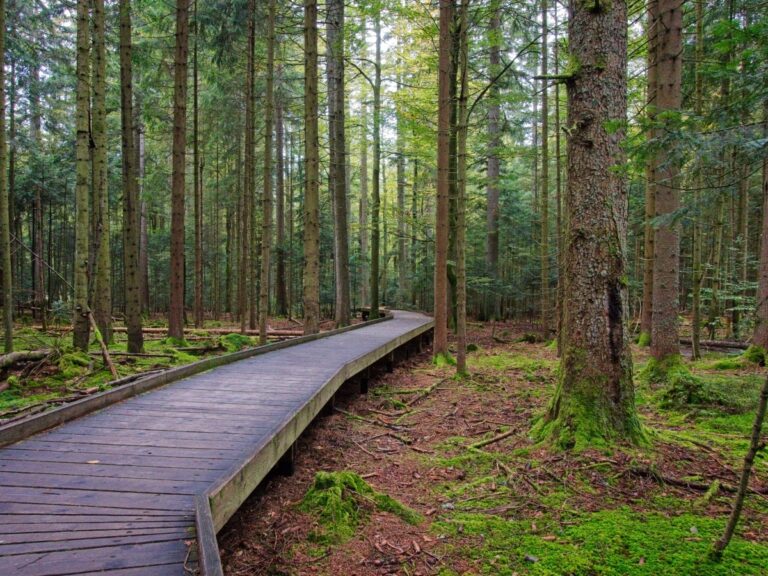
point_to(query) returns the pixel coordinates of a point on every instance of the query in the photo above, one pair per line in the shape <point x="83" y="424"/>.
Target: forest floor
<point x="64" y="375"/>
<point x="487" y="500"/>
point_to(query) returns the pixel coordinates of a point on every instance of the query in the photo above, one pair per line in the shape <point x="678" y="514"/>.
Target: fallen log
<point x="12" y="358"/>
<point x="217" y="331"/>
<point x="722" y="344"/>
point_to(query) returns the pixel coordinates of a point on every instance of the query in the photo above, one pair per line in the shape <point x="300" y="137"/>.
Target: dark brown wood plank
<point x="54" y="524"/>
<point x="152" y="461"/>
<point x="161" y="451"/>
<point x="99" y="470"/>
<point x="97" y="484"/>
<point x="87" y="498"/>
<point x="72" y="562"/>
<point x="107" y="531"/>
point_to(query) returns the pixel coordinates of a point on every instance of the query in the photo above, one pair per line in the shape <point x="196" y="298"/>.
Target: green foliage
<point x="619" y="542"/>
<point x="644" y="340"/>
<point x="342" y="500"/>
<point x="234" y="342"/>
<point x="73" y="364"/>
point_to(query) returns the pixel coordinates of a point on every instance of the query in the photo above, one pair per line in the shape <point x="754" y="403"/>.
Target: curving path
<point x="114" y="492"/>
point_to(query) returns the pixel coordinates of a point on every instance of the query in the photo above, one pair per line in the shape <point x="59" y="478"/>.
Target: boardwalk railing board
<point x="16" y="431"/>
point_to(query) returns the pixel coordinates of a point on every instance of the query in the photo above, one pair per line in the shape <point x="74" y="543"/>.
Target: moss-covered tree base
<point x="443" y="359"/>
<point x="644" y="340"/>
<point x="679" y="387"/>
<point x="755" y="354"/>
<point x="588" y="419"/>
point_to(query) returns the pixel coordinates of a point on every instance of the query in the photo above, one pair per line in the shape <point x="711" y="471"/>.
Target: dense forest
<point x="592" y="174"/>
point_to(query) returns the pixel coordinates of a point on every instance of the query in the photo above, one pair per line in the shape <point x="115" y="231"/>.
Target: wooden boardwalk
<point x="115" y="492"/>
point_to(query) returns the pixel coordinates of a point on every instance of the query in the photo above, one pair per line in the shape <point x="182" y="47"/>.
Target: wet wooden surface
<point x="114" y="492"/>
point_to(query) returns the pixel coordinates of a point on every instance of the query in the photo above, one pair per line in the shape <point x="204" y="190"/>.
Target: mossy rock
<point x="234" y="342"/>
<point x="341" y="501"/>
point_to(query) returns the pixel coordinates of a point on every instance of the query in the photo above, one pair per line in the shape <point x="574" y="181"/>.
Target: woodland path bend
<point x="114" y="492"/>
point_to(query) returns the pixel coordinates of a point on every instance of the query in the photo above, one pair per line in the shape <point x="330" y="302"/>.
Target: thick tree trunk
<point x="266" y="220"/>
<point x="245" y="217"/>
<point x="102" y="290"/>
<point x="131" y="212"/>
<point x="338" y="160"/>
<point x="594" y="400"/>
<point x="440" y="345"/>
<point x="698" y="270"/>
<point x="646" y="312"/>
<point x="5" y="219"/>
<point x="176" y="297"/>
<point x="81" y="311"/>
<point x="312" y="174"/>
<point x="665" y="340"/>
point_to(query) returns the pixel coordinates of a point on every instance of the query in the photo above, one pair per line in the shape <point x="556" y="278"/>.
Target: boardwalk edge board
<point x="16" y="431"/>
<point x="222" y="500"/>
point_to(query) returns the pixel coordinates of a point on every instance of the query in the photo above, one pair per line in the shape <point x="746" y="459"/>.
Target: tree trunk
<point x="38" y="271"/>
<point x="494" y="145"/>
<point x="176" y="299"/>
<point x="81" y="310"/>
<point x="698" y="270"/>
<point x="594" y="401"/>
<point x="364" y="274"/>
<point x="442" y="212"/>
<point x="266" y="229"/>
<point x="646" y="313"/>
<point x="281" y="291"/>
<point x="5" y="219"/>
<point x="131" y="213"/>
<point x="665" y="340"/>
<point x="761" y="325"/>
<point x="338" y="156"/>
<point x="312" y="174"/>
<point x="102" y="290"/>
<point x="197" y="183"/>
<point x="375" y="189"/>
<point x="461" y="178"/>
<point x="546" y="307"/>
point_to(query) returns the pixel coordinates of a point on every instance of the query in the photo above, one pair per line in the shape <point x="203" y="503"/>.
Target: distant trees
<point x="5" y="219"/>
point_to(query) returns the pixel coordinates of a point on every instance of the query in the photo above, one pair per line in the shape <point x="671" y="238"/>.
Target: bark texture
<point x="81" y="311"/>
<point x="102" y="287"/>
<point x="440" y="345"/>
<point x="761" y="326"/>
<point x="312" y="175"/>
<point x="176" y="304"/>
<point x="594" y="402"/>
<point x="665" y="340"/>
<point x="5" y="219"/>
<point x="131" y="209"/>
<point x="337" y="143"/>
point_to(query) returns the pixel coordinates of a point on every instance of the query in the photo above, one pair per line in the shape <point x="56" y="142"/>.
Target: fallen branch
<point x="368" y="420"/>
<point x="695" y="486"/>
<point x="488" y="441"/>
<point x="421" y="394"/>
<point x="135" y="354"/>
<point x="103" y="346"/>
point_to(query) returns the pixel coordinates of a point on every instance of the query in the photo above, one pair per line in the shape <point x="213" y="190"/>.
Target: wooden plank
<point x="207" y="545"/>
<point x="54" y="524"/>
<point x="31" y="511"/>
<point x="89" y="448"/>
<point x="98" y="470"/>
<point x="138" y="440"/>
<point x="106" y="531"/>
<point x="88" y="498"/>
<point x="96" y="484"/>
<point x="72" y="562"/>
<point x="90" y="543"/>
<point x="153" y="461"/>
<point x="189" y="427"/>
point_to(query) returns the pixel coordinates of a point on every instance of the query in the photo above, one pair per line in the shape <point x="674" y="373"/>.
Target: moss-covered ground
<point x="493" y="501"/>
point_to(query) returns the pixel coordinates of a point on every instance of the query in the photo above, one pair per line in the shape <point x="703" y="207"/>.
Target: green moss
<point x="444" y="359"/>
<point x="510" y="361"/>
<point x="234" y="342"/>
<point x="73" y="364"/>
<point x="606" y="543"/>
<point x="342" y="500"/>
<point x="755" y="354"/>
<point x="725" y="364"/>
<point x="644" y="340"/>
